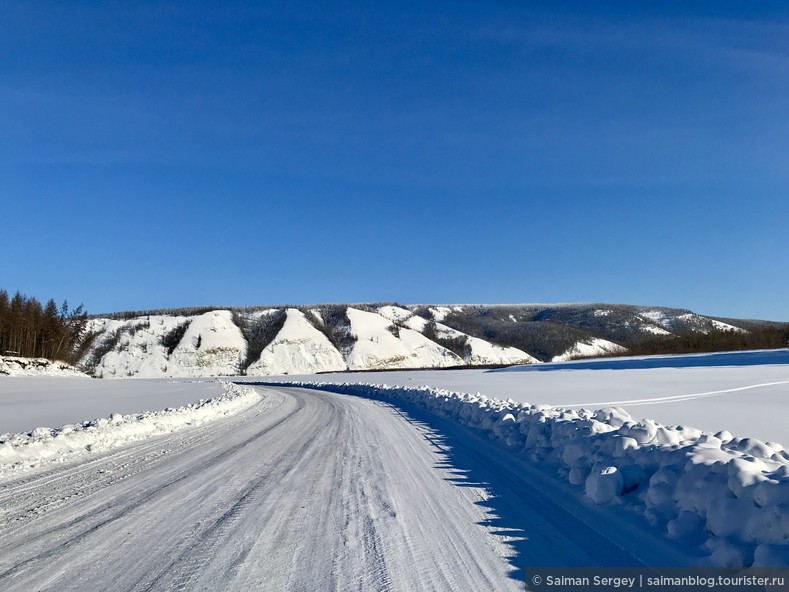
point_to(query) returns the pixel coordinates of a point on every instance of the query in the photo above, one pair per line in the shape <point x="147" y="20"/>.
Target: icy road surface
<point x="305" y="491"/>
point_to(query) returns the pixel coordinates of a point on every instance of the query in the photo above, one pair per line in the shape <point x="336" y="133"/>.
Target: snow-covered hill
<point x="477" y="352"/>
<point x="594" y="347"/>
<point x="329" y="338"/>
<point x="298" y="348"/>
<point x="213" y="344"/>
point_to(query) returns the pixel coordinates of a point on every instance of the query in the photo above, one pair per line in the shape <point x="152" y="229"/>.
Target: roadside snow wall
<point x="20" y="452"/>
<point x="729" y="494"/>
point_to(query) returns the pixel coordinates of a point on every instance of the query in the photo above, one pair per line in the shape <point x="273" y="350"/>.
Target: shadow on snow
<point x="537" y="530"/>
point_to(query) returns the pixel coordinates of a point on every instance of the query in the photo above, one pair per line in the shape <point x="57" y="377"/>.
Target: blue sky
<point x="173" y="154"/>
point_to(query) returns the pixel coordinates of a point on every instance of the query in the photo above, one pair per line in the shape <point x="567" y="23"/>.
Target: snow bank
<point x="16" y="366"/>
<point x="729" y="494"/>
<point x="19" y="452"/>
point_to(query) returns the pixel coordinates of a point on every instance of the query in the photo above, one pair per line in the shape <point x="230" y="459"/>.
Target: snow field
<point x="728" y="494"/>
<point x="23" y="451"/>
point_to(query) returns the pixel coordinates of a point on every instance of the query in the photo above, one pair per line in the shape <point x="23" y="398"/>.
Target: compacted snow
<point x="304" y="491"/>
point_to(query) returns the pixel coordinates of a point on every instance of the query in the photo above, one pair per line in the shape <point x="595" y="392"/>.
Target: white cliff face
<point x="299" y="348"/>
<point x="138" y="350"/>
<point x="212" y="346"/>
<point x="380" y="344"/>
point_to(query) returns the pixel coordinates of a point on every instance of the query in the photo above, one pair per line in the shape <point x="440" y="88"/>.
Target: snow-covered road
<point x="305" y="491"/>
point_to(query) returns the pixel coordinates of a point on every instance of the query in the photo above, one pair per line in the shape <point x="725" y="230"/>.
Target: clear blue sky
<point x="172" y="154"/>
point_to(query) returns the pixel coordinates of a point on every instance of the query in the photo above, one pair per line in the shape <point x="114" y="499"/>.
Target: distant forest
<point x="716" y="341"/>
<point x="32" y="330"/>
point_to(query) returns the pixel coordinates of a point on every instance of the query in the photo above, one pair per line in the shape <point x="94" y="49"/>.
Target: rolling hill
<point x="385" y="336"/>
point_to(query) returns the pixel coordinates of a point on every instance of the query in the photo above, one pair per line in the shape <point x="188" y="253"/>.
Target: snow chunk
<point x="604" y="484"/>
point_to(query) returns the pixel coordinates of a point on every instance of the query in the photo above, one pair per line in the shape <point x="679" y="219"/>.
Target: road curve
<point x="305" y="491"/>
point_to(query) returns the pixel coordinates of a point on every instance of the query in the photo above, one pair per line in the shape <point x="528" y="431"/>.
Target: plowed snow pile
<point x="23" y="451"/>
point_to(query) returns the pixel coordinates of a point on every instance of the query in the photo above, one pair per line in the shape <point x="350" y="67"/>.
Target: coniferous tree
<point x="28" y="329"/>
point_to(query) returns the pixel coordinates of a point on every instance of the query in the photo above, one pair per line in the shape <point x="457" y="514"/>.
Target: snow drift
<point x="19" y="452"/>
<point x="729" y="494"/>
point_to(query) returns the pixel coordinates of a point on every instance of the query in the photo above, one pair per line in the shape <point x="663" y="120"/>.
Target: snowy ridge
<point x="729" y="495"/>
<point x="590" y="348"/>
<point x="330" y="338"/>
<point x="139" y="350"/>
<point x="479" y="351"/>
<point x="381" y="344"/>
<point x="665" y="323"/>
<point x="299" y="348"/>
<point x="212" y="345"/>
<point x="20" y="452"/>
<point x="16" y="366"/>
